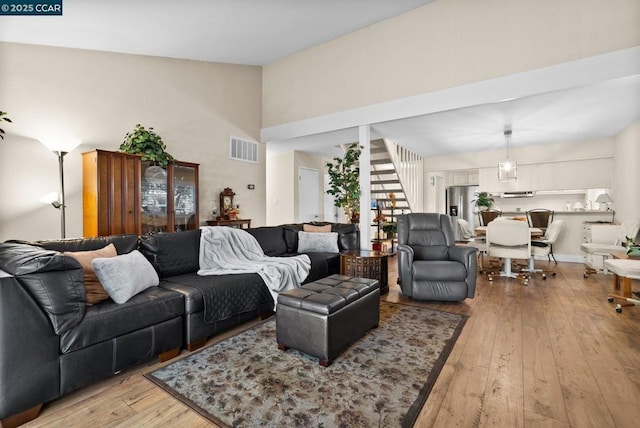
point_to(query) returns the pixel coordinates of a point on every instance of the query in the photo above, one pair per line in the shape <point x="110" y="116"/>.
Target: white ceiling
<point x="258" y="32"/>
<point x="585" y="113"/>
<point x="254" y="32"/>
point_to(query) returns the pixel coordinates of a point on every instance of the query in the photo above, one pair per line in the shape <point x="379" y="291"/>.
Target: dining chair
<point x="540" y="218"/>
<point x="488" y="216"/>
<point x="509" y="239"/>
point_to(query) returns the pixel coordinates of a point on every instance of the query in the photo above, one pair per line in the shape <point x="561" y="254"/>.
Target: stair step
<point x="383" y="171"/>
<point x="386" y="191"/>
<point x="388" y="199"/>
<point x="373" y="182"/>
<point x="376" y="150"/>
<point x="380" y="161"/>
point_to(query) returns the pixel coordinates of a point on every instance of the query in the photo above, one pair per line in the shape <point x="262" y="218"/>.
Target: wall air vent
<point x="243" y="150"/>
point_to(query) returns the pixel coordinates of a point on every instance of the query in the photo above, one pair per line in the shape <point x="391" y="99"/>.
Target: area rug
<point x="382" y="380"/>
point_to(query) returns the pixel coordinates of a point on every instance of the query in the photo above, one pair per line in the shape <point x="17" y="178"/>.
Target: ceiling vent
<point x="243" y="150"/>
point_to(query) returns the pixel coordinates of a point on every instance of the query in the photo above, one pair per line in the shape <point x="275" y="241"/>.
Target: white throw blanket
<point x="225" y="250"/>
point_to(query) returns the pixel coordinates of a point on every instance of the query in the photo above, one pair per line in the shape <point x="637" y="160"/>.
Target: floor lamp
<point x="60" y="147"/>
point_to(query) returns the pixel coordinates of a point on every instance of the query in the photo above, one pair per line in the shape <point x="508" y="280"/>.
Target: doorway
<point x="308" y="195"/>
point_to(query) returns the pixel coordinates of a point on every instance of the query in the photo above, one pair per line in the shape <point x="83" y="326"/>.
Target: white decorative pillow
<point x="126" y="275"/>
<point x="313" y="242"/>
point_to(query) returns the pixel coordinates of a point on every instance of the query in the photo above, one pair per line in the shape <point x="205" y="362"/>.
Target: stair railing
<point x="410" y="169"/>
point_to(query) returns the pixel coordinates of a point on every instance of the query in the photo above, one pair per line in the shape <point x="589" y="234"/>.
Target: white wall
<point x="626" y="170"/>
<point x="98" y="97"/>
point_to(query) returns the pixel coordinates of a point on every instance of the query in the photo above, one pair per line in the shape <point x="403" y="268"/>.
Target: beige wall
<point x="307" y="160"/>
<point x="444" y="44"/>
<point x="283" y="184"/>
<point x="97" y="97"/>
<point x="626" y="173"/>
<point x="281" y="179"/>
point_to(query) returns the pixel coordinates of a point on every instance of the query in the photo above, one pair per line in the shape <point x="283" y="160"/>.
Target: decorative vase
<point x="633" y="252"/>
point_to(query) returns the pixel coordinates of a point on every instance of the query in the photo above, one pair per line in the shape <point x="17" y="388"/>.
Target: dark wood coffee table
<point x="366" y="264"/>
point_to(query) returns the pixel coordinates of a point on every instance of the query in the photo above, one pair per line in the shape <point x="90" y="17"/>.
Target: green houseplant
<point x="344" y="181"/>
<point x="147" y="143"/>
<point x="484" y="200"/>
<point x="3" y="118"/>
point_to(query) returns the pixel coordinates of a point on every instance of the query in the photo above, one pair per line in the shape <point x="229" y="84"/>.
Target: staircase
<point x="389" y="175"/>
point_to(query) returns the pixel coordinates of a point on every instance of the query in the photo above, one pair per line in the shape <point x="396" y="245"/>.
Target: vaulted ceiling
<point x="258" y="32"/>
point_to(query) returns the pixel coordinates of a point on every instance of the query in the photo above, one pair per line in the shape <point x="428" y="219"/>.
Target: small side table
<point x="621" y="285"/>
<point x="239" y="223"/>
<point x="366" y="264"/>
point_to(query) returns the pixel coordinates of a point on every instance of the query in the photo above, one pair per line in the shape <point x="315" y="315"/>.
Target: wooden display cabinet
<point x="122" y="194"/>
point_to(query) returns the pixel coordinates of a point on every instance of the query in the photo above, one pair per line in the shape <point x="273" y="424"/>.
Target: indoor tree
<point x="3" y="118"/>
<point x="344" y="181"/>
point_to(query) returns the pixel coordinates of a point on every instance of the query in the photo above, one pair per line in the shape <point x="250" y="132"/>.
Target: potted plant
<point x="344" y="182"/>
<point x="390" y="229"/>
<point x="633" y="250"/>
<point x="483" y="201"/>
<point x="147" y="143"/>
<point x="3" y="118"/>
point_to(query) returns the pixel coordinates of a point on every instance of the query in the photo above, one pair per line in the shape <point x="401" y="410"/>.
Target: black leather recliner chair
<point x="430" y="265"/>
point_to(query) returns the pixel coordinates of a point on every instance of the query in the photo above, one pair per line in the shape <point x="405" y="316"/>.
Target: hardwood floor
<point x="550" y="354"/>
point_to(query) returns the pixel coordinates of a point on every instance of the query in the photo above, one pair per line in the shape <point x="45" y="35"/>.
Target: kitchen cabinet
<point x="601" y="234"/>
<point x="462" y="178"/>
<point x="584" y="174"/>
<point x="123" y="194"/>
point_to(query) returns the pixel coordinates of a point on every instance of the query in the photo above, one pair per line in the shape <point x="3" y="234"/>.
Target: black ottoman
<point x="323" y="317"/>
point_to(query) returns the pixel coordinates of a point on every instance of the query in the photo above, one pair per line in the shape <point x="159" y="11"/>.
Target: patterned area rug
<point x="382" y="380"/>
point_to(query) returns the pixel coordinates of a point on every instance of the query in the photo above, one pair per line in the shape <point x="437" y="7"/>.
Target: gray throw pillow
<point x="313" y="242"/>
<point x="126" y="275"/>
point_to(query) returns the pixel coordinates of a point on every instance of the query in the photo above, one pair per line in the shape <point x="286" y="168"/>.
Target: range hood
<point x="524" y="194"/>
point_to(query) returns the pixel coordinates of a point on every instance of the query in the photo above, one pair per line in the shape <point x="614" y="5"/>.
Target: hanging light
<point x="507" y="170"/>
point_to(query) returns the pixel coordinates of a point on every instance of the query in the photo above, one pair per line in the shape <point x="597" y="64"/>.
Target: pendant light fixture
<point x="507" y="170"/>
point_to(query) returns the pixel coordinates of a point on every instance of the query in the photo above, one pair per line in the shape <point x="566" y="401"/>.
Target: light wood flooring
<point x="550" y="354"/>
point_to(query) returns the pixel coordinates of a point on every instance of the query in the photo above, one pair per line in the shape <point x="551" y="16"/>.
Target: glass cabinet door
<point x="154" y="198"/>
<point x="185" y="196"/>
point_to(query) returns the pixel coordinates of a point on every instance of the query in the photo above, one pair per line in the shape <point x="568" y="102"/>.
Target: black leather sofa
<point x="51" y="343"/>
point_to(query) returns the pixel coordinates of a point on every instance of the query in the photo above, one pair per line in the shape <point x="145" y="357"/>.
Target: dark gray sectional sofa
<point x="52" y="343"/>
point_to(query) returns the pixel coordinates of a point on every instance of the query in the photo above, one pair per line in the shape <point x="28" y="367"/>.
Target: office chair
<point x="629" y="227"/>
<point x="464" y="228"/>
<point x="478" y="242"/>
<point x="509" y="239"/>
<point x="544" y="247"/>
<point x="540" y="218"/>
<point x="489" y="215"/>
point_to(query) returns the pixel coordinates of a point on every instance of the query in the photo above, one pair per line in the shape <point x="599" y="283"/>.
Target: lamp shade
<point x="507" y="171"/>
<point x="604" y="198"/>
<point x="60" y="144"/>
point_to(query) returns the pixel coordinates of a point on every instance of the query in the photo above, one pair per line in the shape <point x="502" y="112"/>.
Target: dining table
<point x="536" y="232"/>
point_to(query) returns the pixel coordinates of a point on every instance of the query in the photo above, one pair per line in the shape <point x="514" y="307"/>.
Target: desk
<point x="624" y="269"/>
<point x="239" y="223"/>
<point x="366" y="264"/>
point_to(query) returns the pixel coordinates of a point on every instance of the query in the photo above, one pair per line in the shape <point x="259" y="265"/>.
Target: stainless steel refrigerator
<point x="460" y="205"/>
